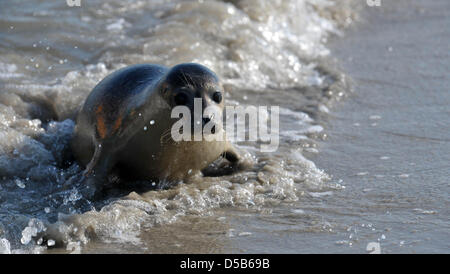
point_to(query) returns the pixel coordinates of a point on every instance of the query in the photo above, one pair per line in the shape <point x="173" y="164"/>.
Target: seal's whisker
<point x="166" y="136"/>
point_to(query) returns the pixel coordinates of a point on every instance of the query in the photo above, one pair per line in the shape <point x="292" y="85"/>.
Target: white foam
<point x="5" y="246"/>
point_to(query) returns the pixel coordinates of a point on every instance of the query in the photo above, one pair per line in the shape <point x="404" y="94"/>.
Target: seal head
<point x="186" y="82"/>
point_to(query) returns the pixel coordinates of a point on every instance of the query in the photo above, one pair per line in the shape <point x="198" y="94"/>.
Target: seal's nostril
<point x="206" y="120"/>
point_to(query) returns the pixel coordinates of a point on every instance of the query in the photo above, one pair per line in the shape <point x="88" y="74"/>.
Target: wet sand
<point x="390" y="141"/>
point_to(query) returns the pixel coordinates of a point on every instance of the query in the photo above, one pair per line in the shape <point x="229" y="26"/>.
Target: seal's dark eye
<point x="217" y="97"/>
<point x="181" y="99"/>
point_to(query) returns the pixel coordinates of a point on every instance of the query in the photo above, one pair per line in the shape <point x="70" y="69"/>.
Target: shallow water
<point x="267" y="53"/>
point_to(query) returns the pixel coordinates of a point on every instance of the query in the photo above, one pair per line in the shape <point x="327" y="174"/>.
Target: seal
<point x="125" y="124"/>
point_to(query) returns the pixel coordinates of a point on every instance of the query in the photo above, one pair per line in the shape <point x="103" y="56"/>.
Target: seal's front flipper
<point x="96" y="173"/>
<point x="94" y="161"/>
<point x="239" y="160"/>
<point x="232" y="156"/>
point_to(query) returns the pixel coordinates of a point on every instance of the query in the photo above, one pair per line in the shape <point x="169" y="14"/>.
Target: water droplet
<point x="19" y="183"/>
<point x="244" y="234"/>
<point x="51" y="242"/>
